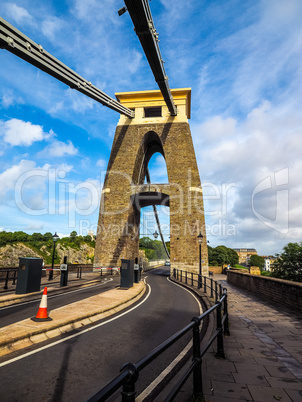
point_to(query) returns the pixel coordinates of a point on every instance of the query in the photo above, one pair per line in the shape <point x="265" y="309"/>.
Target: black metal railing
<point x="130" y="372"/>
<point x="204" y="283"/>
<point x="8" y="274"/>
<point x="11" y="273"/>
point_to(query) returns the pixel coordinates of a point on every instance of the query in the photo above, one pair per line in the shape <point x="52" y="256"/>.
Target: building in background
<point x="245" y="254"/>
<point x="268" y="262"/>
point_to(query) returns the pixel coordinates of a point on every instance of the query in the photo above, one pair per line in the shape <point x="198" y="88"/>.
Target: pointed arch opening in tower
<point x="158" y="169"/>
<point x="155" y="218"/>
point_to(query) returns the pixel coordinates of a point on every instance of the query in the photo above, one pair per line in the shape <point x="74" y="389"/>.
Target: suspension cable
<point x="17" y="43"/>
<point x="156" y="217"/>
<point x="141" y="16"/>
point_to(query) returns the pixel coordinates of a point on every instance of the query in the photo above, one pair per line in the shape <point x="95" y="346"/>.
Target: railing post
<point x="220" y="349"/>
<point x="211" y="287"/>
<point x="205" y="284"/>
<point x="6" y="279"/>
<point x="181" y="275"/>
<point x="197" y="371"/>
<point x="186" y="277"/>
<point x="174" y="273"/>
<point x="226" y="329"/>
<point x="216" y="291"/>
<point x="192" y="281"/>
<point x="15" y="277"/>
<point x="128" y="391"/>
<point x="199" y="282"/>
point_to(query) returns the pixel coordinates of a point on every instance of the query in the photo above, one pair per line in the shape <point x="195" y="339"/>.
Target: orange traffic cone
<point x="42" y="312"/>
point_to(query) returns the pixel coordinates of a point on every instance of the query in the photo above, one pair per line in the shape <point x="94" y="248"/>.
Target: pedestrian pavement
<point x="263" y="352"/>
<point x="70" y="317"/>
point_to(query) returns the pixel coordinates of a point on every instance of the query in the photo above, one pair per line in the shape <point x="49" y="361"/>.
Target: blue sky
<point x="242" y="60"/>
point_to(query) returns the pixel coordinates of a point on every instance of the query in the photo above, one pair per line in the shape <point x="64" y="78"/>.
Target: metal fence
<point x="130" y="372"/>
<point x="8" y="274"/>
<point x="204" y="283"/>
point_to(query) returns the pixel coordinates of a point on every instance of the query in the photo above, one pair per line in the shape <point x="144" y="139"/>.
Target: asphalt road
<point x="14" y="313"/>
<point x="75" y="369"/>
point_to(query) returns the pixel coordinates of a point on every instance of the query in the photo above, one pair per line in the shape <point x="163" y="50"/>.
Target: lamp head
<point x="200" y="238"/>
<point x="55" y="237"/>
<point x="122" y="11"/>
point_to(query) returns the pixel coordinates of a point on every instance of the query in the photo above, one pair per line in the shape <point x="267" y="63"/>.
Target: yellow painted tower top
<point x="150" y="106"/>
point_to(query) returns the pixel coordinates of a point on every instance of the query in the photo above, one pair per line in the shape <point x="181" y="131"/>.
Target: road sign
<point x="63" y="267"/>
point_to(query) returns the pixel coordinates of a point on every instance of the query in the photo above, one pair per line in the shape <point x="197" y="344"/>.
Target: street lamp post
<point x="200" y="238"/>
<point x="155" y="234"/>
<point x="55" y="237"/>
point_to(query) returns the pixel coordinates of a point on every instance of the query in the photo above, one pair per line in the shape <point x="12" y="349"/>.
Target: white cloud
<point x="51" y="27"/>
<point x="217" y="128"/>
<point x="19" y="14"/>
<point x="135" y="63"/>
<point x="19" y="132"/>
<point x="248" y="153"/>
<point x="26" y="179"/>
<point x="63" y="169"/>
<point x="101" y="163"/>
<point x="72" y="100"/>
<point x="8" y="99"/>
<point x="35" y="226"/>
<point x="58" y="149"/>
<point x="9" y="177"/>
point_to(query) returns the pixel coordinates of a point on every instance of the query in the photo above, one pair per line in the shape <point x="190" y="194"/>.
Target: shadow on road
<point x="61" y="379"/>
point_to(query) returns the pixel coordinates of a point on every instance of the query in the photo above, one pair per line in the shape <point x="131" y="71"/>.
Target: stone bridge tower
<point x="152" y="130"/>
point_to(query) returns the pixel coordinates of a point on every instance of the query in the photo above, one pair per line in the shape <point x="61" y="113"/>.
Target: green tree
<point x="47" y="236"/>
<point x="21" y="236"/>
<point x="168" y="246"/>
<point x="289" y="263"/>
<point x="221" y="255"/>
<point x="256" y="261"/>
<point x="36" y="237"/>
<point x="154" y="249"/>
<point x="73" y="235"/>
<point x="233" y="257"/>
<point x="146" y="243"/>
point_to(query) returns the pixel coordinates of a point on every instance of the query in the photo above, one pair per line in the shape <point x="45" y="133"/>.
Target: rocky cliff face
<point x="84" y="255"/>
<point x="9" y="254"/>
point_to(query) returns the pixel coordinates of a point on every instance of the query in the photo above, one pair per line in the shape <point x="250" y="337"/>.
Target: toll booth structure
<point x="29" y="275"/>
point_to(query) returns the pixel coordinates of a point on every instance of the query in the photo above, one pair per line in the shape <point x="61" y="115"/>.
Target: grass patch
<point x="237" y="266"/>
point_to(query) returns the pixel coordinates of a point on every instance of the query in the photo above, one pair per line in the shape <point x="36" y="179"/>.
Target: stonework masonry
<point x="124" y="191"/>
<point x="280" y="291"/>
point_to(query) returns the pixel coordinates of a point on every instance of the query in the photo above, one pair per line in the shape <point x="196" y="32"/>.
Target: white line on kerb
<point x="75" y="335"/>
<point x="147" y="391"/>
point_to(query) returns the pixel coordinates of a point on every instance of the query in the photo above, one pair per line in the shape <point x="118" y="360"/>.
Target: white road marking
<point x="147" y="391"/>
<point x="77" y="334"/>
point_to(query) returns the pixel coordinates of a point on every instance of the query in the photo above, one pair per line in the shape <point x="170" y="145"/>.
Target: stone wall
<point x="280" y="291"/>
<point x="215" y="269"/>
